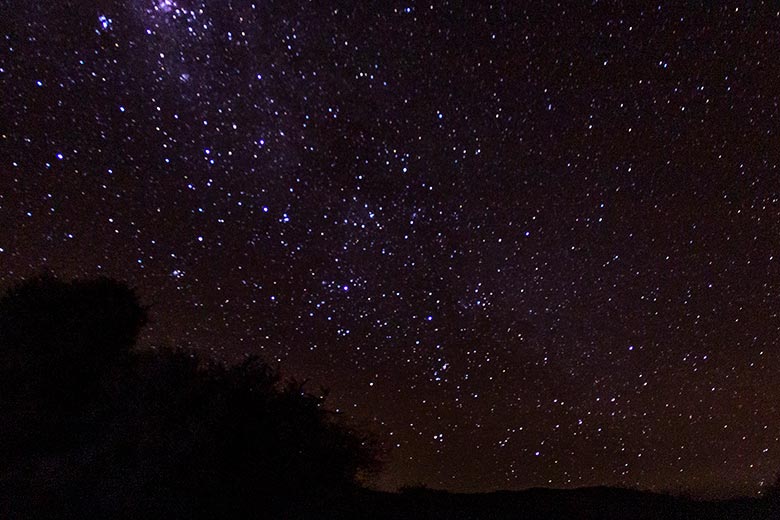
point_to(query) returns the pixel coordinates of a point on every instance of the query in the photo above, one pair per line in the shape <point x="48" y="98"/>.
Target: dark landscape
<point x="94" y="428"/>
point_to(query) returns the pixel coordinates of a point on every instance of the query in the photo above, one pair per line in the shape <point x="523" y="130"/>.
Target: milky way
<point x="526" y="246"/>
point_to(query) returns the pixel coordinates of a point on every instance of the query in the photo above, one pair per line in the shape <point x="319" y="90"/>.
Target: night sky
<point x="528" y="246"/>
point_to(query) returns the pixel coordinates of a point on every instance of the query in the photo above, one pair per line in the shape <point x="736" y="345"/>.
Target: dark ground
<point x="586" y="503"/>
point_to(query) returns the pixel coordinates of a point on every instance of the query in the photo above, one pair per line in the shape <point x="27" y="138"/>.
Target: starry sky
<point x="528" y="244"/>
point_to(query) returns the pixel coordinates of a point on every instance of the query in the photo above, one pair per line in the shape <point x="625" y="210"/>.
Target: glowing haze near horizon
<point x="527" y="246"/>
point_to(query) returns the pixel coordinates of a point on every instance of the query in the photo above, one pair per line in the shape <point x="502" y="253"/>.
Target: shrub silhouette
<point x="92" y="427"/>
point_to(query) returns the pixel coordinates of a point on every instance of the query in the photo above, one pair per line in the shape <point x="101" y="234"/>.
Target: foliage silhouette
<point x="93" y="428"/>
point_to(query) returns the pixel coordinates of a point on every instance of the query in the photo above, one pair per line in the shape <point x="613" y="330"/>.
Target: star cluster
<point x="530" y="246"/>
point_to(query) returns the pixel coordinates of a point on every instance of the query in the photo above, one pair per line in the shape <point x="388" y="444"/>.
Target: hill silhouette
<point x="93" y="428"/>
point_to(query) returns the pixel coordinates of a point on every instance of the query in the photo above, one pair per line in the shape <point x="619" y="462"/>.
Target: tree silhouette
<point x="58" y="343"/>
<point x="92" y="427"/>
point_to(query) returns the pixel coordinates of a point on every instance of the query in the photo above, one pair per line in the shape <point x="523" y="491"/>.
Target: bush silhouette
<point x="92" y="427"/>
